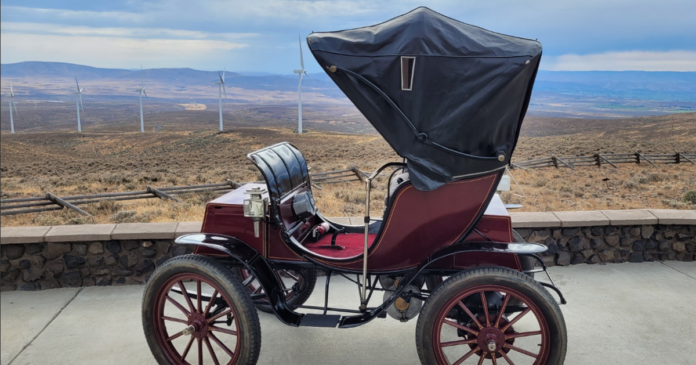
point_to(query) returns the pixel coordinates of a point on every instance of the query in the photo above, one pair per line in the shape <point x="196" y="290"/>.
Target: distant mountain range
<point x="600" y="93"/>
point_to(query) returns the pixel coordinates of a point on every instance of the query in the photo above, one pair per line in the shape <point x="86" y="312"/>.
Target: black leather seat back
<point x="283" y="167"/>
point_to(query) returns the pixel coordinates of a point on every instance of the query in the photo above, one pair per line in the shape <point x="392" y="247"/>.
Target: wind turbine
<point x="300" y="73"/>
<point x="78" y="103"/>
<point x="221" y="89"/>
<point x="12" y="103"/>
<point x="141" y="90"/>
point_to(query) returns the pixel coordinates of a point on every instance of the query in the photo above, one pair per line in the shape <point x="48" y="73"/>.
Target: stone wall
<point x="35" y="258"/>
<point x="51" y="265"/>
<point x="611" y="244"/>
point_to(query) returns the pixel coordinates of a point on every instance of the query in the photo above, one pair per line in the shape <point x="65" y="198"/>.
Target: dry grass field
<point x="108" y="157"/>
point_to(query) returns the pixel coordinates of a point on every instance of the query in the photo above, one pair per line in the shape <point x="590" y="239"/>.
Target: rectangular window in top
<point x="408" y="64"/>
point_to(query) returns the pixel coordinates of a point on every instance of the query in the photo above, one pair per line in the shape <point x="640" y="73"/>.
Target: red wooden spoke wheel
<point x="491" y="315"/>
<point x="297" y="285"/>
<point x="195" y="312"/>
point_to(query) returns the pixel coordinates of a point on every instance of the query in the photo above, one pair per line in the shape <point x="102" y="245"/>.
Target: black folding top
<point x="283" y="167"/>
<point x="448" y="96"/>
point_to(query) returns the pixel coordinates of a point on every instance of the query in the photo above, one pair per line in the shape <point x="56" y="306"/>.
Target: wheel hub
<point x="198" y="326"/>
<point x="490" y="339"/>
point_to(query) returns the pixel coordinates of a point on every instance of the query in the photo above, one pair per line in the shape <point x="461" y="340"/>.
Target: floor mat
<point x="353" y="243"/>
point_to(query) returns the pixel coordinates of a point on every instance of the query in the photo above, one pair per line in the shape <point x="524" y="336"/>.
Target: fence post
<point x="554" y="160"/>
<point x="161" y="194"/>
<point x="598" y="160"/>
<point x="65" y="204"/>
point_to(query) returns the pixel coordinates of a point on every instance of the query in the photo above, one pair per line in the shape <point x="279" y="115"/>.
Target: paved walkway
<point x="617" y="314"/>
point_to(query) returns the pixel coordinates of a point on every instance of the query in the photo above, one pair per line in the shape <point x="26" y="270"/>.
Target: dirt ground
<point x="107" y="159"/>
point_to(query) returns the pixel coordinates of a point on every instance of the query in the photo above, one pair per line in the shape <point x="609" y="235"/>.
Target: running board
<point x="320" y="320"/>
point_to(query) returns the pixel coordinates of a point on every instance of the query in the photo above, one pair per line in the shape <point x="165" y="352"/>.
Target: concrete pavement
<point x="616" y="314"/>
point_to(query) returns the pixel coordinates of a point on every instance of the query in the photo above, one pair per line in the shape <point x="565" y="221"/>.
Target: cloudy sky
<point x="261" y="35"/>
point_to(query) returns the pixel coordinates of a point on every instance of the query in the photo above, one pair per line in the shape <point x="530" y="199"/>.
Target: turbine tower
<point x="300" y="73"/>
<point x="12" y="103"/>
<point x="78" y="104"/>
<point x="221" y="89"/>
<point x="141" y="91"/>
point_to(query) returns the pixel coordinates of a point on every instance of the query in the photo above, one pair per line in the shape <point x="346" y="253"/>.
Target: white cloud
<point x="623" y="61"/>
<point x="150" y="33"/>
<point x="114" y="52"/>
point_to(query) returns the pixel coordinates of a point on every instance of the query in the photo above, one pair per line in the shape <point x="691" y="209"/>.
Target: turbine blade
<point x="224" y="90"/>
<point x="301" y="58"/>
<point x="223" y="75"/>
<point x="81" y="105"/>
<point x="309" y="76"/>
<point x="11" y="92"/>
<point x="148" y="99"/>
<point x="15" y="108"/>
<point x="222" y="79"/>
<point x="77" y="84"/>
<point x="299" y="85"/>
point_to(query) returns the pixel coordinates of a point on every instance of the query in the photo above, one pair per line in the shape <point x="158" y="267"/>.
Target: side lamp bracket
<point x="255" y="207"/>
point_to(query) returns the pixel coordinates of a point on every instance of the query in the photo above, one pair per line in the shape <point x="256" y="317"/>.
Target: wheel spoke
<point x="505" y="356"/>
<point x="462" y="327"/>
<point x="502" y="309"/>
<point x="200" y="352"/>
<point x="468" y="355"/>
<point x="222" y="346"/>
<point x="210" y="303"/>
<point x="455" y="343"/>
<point x="292" y="276"/>
<point x="484" y="303"/>
<point x="198" y="296"/>
<point x="175" y="336"/>
<point x="174" y="319"/>
<point x="257" y="290"/>
<point x="470" y="314"/>
<point x="184" y="292"/>
<point x="223" y="330"/>
<point x="188" y="347"/>
<point x="522" y="334"/>
<point x="176" y="304"/>
<point x="521" y="350"/>
<point x="229" y="310"/>
<point x="210" y="350"/>
<point x="483" y="357"/>
<point x="493" y="359"/>
<point x="248" y="280"/>
<point x="516" y="319"/>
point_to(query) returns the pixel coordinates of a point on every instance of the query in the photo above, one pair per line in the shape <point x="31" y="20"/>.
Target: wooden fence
<point x="611" y="159"/>
<point x="50" y="201"/>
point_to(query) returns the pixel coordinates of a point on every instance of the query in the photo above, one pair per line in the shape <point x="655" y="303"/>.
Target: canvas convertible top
<point x="447" y="96"/>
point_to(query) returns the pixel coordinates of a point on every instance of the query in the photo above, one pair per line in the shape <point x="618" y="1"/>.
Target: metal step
<point x="320" y="320"/>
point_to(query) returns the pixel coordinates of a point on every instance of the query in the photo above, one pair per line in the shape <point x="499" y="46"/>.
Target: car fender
<point x="254" y="262"/>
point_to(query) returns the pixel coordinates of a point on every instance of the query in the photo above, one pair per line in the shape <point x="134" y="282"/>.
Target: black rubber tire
<point x="432" y="281"/>
<point x="487" y="276"/>
<point x="310" y="277"/>
<point x="250" y="327"/>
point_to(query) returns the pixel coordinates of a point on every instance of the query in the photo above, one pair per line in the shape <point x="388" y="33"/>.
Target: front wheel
<point x="486" y="315"/>
<point x="194" y="311"/>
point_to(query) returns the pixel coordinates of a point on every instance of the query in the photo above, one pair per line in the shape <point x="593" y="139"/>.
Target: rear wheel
<point x="297" y="284"/>
<point x="195" y="311"/>
<point x="471" y="319"/>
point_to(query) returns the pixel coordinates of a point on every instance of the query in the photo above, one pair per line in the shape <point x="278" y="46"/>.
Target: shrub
<point x="690" y="197"/>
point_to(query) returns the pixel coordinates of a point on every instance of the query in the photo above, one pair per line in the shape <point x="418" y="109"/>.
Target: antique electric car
<point x="449" y="98"/>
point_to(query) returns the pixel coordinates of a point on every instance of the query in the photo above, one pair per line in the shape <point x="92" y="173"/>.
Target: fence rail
<point x="50" y="201"/>
<point x="611" y="159"/>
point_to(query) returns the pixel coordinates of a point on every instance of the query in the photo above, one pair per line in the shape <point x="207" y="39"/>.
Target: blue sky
<point x="261" y="36"/>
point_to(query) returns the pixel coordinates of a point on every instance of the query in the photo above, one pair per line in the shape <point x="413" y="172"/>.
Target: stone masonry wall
<point x="612" y="244"/>
<point x="36" y="266"/>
